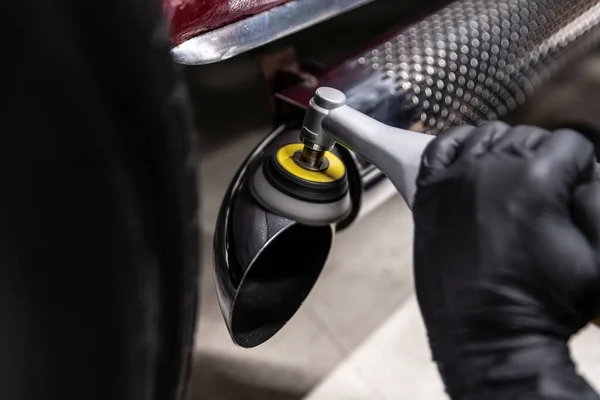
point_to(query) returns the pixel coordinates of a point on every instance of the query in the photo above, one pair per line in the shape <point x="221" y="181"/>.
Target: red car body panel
<point x="189" y="18"/>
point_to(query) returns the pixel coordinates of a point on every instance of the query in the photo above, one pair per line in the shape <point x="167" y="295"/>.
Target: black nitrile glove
<point x="507" y="233"/>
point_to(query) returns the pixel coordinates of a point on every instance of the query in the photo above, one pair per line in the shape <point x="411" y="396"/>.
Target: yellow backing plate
<point x="335" y="171"/>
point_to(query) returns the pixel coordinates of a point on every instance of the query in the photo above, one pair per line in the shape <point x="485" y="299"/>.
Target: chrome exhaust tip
<point x="265" y="264"/>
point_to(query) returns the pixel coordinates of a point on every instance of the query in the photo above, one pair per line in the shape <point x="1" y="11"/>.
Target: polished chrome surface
<point x="189" y="18"/>
<point x="476" y="60"/>
<point x="260" y="29"/>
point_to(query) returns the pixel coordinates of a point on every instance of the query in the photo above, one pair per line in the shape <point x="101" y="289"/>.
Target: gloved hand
<point x="507" y="233"/>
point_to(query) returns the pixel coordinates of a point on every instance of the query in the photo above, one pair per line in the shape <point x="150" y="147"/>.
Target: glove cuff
<point x="526" y="367"/>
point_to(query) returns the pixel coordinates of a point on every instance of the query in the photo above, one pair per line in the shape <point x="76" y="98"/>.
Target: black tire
<point x="98" y="229"/>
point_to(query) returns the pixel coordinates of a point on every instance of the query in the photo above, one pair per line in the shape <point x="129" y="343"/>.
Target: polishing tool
<point x="311" y="191"/>
<point x="306" y="182"/>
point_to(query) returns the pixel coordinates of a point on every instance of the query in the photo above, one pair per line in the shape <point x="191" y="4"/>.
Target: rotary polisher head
<point x="309" y="188"/>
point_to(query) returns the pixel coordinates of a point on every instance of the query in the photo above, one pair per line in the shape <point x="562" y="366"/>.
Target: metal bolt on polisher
<point x="307" y="182"/>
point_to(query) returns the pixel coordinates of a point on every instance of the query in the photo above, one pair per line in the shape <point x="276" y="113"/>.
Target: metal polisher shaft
<point x="313" y="158"/>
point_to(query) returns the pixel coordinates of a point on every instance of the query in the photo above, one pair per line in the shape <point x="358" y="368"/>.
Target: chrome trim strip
<point x="260" y="29"/>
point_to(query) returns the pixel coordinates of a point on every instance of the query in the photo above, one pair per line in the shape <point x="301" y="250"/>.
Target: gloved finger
<point x="521" y="140"/>
<point x="586" y="214"/>
<point x="586" y="211"/>
<point x="442" y="151"/>
<point x="566" y="157"/>
<point x="486" y="137"/>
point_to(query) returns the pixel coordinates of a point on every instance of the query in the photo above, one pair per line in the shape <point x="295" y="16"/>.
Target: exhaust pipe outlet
<point x="265" y="264"/>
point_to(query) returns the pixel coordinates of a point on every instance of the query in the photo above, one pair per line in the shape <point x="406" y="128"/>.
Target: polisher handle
<point x="395" y="152"/>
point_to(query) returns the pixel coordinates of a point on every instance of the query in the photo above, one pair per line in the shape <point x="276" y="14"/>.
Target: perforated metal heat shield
<point x="469" y="62"/>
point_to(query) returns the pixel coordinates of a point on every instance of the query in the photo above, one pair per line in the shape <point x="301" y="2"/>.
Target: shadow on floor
<point x="216" y="377"/>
